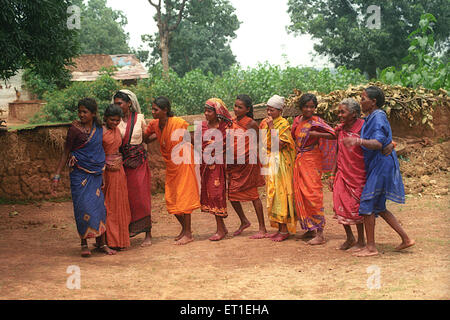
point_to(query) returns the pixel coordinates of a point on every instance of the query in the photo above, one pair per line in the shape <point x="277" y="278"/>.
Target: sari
<point x="86" y="162"/>
<point x="350" y="177"/>
<point x="314" y="156"/>
<point x="181" y="187"/>
<point x="243" y="179"/>
<point x="138" y="177"/>
<point x="383" y="177"/>
<point x="118" y="213"/>
<point x="279" y="186"/>
<point x="213" y="176"/>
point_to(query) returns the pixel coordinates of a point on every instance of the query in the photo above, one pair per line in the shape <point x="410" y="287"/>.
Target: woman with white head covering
<point x="280" y="194"/>
<point x="132" y="126"/>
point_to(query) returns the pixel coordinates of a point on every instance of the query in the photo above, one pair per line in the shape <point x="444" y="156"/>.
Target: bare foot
<point x="85" y="252"/>
<point x="357" y="247"/>
<point x="178" y="237"/>
<point x="308" y="235"/>
<point x="347" y="244"/>
<point x="184" y="240"/>
<point x="241" y="228"/>
<point x="280" y="237"/>
<point x="317" y="240"/>
<point x="405" y="245"/>
<point x="107" y="250"/>
<point x="365" y="253"/>
<point x="271" y="235"/>
<point x="218" y="235"/>
<point x="259" y="235"/>
<point x="147" y="242"/>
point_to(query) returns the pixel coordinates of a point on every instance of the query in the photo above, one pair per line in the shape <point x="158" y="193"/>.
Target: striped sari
<point x="314" y="156"/>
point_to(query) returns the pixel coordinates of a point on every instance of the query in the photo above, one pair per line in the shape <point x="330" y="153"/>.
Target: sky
<point x="261" y="37"/>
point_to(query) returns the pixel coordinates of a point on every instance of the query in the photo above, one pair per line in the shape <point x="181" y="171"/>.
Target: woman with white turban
<point x="132" y="126"/>
<point x="279" y="175"/>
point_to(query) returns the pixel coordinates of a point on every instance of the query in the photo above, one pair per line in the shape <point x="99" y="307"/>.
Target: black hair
<point x="121" y="95"/>
<point x="373" y="92"/>
<point x="91" y="105"/>
<point x="247" y="102"/>
<point x="305" y="98"/>
<point x="164" y="104"/>
<point x="112" y="110"/>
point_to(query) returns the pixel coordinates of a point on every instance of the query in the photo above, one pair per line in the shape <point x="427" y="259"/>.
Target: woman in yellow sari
<point x="279" y="175"/>
<point x="181" y="186"/>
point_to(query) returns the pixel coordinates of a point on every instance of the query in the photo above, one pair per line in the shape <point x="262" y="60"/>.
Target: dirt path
<point x="39" y="242"/>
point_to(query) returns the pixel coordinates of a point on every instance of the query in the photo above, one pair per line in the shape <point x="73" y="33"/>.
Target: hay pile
<point x="410" y="105"/>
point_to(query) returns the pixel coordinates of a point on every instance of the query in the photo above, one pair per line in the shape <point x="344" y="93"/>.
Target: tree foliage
<point x="34" y="34"/>
<point x="202" y="39"/>
<point x="340" y="28"/>
<point x="102" y="29"/>
<point x="421" y="66"/>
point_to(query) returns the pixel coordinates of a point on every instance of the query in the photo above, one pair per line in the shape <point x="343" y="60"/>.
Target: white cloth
<point x="134" y="101"/>
<point x="136" y="138"/>
<point x="276" y="102"/>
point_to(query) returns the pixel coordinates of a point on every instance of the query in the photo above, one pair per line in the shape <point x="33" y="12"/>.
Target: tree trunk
<point x="164" y="47"/>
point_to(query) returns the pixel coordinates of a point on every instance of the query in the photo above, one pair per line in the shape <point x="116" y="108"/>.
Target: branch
<point x="158" y="14"/>
<point x="158" y="6"/>
<point x="180" y="14"/>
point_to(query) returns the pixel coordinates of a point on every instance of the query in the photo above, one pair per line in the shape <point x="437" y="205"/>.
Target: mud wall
<point x="28" y="160"/>
<point x="24" y="110"/>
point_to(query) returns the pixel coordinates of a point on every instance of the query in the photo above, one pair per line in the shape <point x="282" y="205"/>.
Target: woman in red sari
<point x="315" y="154"/>
<point x="213" y="167"/>
<point x="349" y="175"/>
<point x="135" y="163"/>
<point x="244" y="179"/>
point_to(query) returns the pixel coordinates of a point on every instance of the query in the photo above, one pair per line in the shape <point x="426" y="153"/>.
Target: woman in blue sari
<point x="383" y="178"/>
<point x="83" y="152"/>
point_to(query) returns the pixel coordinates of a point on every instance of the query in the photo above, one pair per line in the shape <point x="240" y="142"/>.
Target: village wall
<point x="29" y="158"/>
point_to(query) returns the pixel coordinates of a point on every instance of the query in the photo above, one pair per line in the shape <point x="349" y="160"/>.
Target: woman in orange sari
<point x="245" y="178"/>
<point x="118" y="214"/>
<point x="315" y="154"/>
<point x="181" y="186"/>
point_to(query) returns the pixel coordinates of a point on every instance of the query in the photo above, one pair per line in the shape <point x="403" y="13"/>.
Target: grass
<point x="30" y="126"/>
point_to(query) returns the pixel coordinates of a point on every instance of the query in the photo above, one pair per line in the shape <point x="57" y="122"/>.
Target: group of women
<point x="110" y="176"/>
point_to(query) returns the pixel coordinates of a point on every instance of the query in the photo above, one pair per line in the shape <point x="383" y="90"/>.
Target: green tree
<point x="202" y="40"/>
<point x="167" y="22"/>
<point x="102" y="29"/>
<point x="342" y="33"/>
<point x="34" y="34"/>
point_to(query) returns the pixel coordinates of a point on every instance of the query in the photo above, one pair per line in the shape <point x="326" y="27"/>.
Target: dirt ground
<point x="39" y="242"/>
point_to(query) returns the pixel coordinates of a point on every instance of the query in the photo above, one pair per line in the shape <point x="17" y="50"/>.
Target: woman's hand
<point x="388" y="149"/>
<point x="269" y="121"/>
<point x="350" y="141"/>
